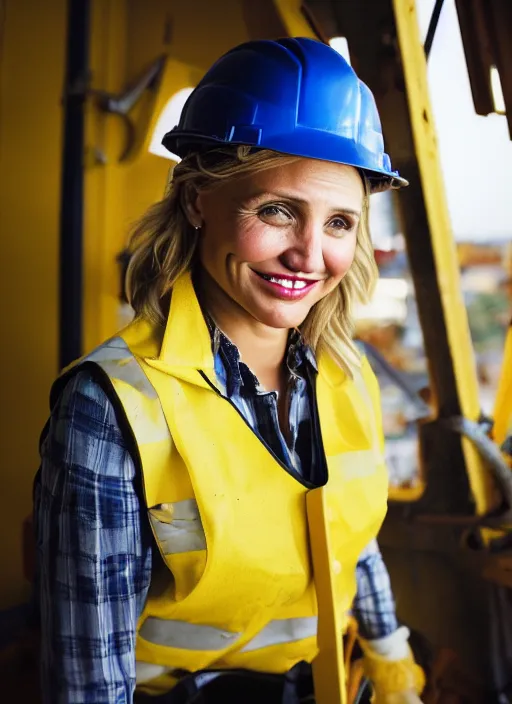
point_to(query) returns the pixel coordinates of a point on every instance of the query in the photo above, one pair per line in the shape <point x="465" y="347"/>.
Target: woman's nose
<point x="305" y="253"/>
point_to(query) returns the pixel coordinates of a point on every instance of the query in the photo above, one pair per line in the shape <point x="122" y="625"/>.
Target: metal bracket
<point x="122" y="103"/>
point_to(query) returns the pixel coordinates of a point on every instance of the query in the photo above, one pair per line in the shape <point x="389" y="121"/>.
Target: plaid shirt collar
<point x="239" y="378"/>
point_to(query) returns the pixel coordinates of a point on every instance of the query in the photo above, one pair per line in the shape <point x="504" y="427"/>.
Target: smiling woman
<point x="174" y="558"/>
<point x="293" y="243"/>
<point x="300" y="224"/>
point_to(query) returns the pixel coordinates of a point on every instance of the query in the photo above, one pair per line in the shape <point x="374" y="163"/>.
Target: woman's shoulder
<point x="87" y="461"/>
<point x="85" y="413"/>
<point x="83" y="389"/>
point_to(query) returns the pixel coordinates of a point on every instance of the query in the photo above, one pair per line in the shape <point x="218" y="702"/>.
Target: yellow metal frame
<point x="407" y="494"/>
<point x="503" y="404"/>
<point x="293" y="19"/>
<point x="445" y="253"/>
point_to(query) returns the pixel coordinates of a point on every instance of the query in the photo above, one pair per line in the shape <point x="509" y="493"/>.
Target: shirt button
<point x="336" y="566"/>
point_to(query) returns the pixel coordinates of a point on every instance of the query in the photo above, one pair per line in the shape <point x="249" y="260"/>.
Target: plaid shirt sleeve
<point x="93" y="551"/>
<point x="374" y="605"/>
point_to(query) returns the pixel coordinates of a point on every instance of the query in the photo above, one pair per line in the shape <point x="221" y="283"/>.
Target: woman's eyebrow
<point x="264" y="195"/>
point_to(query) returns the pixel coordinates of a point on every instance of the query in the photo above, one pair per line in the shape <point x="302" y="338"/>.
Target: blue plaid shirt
<point x="94" y="542"/>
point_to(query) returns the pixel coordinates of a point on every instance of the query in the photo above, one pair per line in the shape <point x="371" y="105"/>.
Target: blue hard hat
<point x="295" y="96"/>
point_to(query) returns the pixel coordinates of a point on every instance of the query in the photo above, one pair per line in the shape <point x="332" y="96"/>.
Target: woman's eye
<point x="275" y="212"/>
<point x="340" y="223"/>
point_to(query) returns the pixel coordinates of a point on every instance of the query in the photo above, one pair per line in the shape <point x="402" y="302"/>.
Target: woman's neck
<point x="261" y="347"/>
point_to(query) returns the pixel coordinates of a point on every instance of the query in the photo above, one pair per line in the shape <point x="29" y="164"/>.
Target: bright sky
<point x="475" y="151"/>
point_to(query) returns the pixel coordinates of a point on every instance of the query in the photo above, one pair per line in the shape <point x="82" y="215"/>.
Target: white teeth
<point x="287" y="283"/>
<point x="282" y="282"/>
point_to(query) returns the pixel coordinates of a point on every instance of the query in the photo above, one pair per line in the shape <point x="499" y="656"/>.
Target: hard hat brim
<point x="304" y="142"/>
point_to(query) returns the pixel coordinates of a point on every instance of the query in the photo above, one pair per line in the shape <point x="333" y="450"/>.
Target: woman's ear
<point x="193" y="208"/>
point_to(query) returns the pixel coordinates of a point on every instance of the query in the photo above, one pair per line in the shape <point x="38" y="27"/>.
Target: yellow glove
<point x="389" y="665"/>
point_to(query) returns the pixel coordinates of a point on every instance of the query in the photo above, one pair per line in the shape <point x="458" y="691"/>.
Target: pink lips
<point x="284" y="286"/>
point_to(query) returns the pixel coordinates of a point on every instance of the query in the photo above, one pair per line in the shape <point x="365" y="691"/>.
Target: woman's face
<point x="279" y="240"/>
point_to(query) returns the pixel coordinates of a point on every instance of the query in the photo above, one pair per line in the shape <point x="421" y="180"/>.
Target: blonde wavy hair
<point x="164" y="243"/>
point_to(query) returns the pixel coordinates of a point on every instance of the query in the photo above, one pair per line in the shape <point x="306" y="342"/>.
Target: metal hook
<point x="122" y="103"/>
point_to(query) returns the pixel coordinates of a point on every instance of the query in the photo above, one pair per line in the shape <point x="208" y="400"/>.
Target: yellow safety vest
<point x="229" y="520"/>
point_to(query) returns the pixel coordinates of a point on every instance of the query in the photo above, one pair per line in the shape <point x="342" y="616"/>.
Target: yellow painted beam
<point x="293" y="18"/>
<point x="445" y="254"/>
<point x="503" y="406"/>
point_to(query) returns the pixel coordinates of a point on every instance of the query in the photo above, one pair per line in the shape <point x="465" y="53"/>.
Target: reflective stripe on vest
<point x="288" y="630"/>
<point x="147" y="671"/>
<point x="177" y="526"/>
<point x="119" y="363"/>
<point x="357" y="464"/>
<point x="192" y="636"/>
<point x="185" y="636"/>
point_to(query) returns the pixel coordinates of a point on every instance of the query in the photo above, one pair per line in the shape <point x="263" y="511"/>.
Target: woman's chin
<point x="280" y="319"/>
